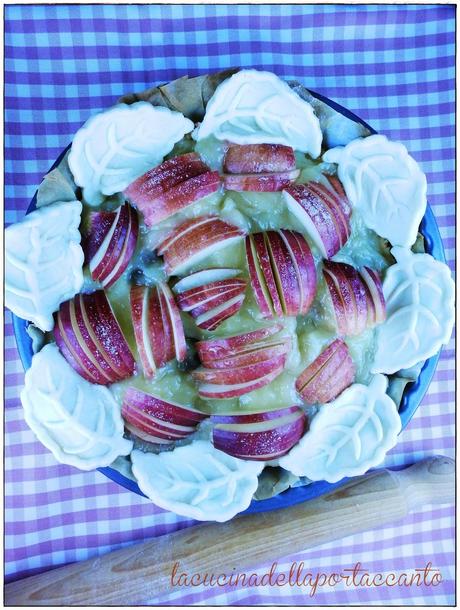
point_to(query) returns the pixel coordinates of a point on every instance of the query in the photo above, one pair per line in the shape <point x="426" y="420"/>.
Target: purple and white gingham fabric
<point x="393" y="65"/>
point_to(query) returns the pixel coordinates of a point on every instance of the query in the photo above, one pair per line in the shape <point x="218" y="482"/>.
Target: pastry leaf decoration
<point x="258" y="107"/>
<point x="385" y="183"/>
<point x="348" y="436"/>
<point x="419" y="296"/>
<point x="115" y="147"/>
<point x="78" y="421"/>
<point x="43" y="262"/>
<point x="197" y="480"/>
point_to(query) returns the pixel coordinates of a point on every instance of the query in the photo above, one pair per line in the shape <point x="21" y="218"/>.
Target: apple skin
<point x="156" y="420"/>
<point x="337" y="187"/>
<point x="321" y="213"/>
<point x="181" y="196"/>
<point x="303" y="260"/>
<point x="195" y="239"/>
<point x="328" y="375"/>
<point x="282" y="272"/>
<point x="259" y="352"/>
<point x="377" y="306"/>
<point x="214" y="349"/>
<point x="257" y="436"/>
<point x="262" y="183"/>
<point x="158" y="327"/>
<point x="258" y="158"/>
<point x="109" y="243"/>
<point x="90" y="338"/>
<point x="240" y="374"/>
<point x="221" y="391"/>
<point x="263" y="260"/>
<point x="350" y="299"/>
<point x="285" y="273"/>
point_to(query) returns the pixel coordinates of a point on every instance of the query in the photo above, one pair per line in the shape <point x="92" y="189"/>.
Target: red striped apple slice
<point x="172" y="186"/>
<point x="164" y="177"/>
<point x="258" y="283"/>
<point x="204" y="298"/>
<point x="249" y="372"/>
<point x="214" y="317"/>
<point x="211" y="303"/>
<point x="285" y="274"/>
<point x="263" y="183"/>
<point x="205" y="277"/>
<point x="321" y="215"/>
<point x="90" y="338"/>
<point x="259" y="436"/>
<point x="328" y="375"/>
<point x="220" y="391"/>
<point x="156" y="420"/>
<point x="373" y="283"/>
<point x="258" y="158"/>
<point x="340" y="192"/>
<point x="250" y="355"/>
<point x="110" y="243"/>
<point x="157" y="326"/>
<point x="349" y="297"/>
<point x="282" y="272"/>
<point x="212" y="349"/>
<point x="304" y="263"/>
<point x="196" y="239"/>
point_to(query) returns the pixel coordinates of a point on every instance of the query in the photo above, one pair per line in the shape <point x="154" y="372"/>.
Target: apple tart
<point x="245" y="293"/>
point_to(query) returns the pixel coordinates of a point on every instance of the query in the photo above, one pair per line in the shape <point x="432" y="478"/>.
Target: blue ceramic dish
<point x="411" y="399"/>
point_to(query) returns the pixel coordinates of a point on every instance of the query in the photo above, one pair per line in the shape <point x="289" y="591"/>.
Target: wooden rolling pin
<point x="143" y="572"/>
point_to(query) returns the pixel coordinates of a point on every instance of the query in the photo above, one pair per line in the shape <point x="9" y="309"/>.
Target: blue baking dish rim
<point x="413" y="393"/>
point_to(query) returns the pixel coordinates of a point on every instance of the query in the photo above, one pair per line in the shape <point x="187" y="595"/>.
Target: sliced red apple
<point x="328" y="375"/>
<point x="256" y="352"/>
<point x="337" y="187"/>
<point x="321" y="214"/>
<point x="248" y="372"/>
<point x="373" y="284"/>
<point x="259" y="436"/>
<point x="350" y="302"/>
<point x="263" y="183"/>
<point x="282" y="272"/>
<point x="90" y="338"/>
<point x="258" y="158"/>
<point x="110" y="242"/>
<point x="204" y="277"/>
<point x="194" y="240"/>
<point x="221" y="391"/>
<point x="212" y="349"/>
<point x="181" y="196"/>
<point x="304" y="263"/>
<point x="158" y="328"/>
<point x="211" y="296"/>
<point x="156" y="420"/>
<point x="172" y="186"/>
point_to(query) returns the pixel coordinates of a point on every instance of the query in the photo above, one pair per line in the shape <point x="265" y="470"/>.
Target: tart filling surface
<point x="238" y="296"/>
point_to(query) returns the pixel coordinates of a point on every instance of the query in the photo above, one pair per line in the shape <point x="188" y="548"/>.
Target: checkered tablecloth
<point x="392" y="65"/>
